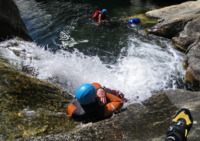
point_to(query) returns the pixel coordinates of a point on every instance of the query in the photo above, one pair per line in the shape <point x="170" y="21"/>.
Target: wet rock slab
<point x="148" y="120"/>
<point x="30" y="107"/>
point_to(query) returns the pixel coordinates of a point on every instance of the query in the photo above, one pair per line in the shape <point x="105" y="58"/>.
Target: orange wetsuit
<point x="95" y="111"/>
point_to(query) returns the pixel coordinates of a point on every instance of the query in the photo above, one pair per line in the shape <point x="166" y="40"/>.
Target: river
<point x="69" y="49"/>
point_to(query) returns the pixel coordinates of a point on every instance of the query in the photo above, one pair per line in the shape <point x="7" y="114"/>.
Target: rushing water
<point x="116" y="55"/>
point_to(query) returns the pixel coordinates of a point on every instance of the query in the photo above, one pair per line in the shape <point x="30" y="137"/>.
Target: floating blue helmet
<point x="104" y="10"/>
<point x="86" y="94"/>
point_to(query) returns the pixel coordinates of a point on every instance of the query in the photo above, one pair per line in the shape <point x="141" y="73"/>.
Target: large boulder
<point x="148" y="120"/>
<point x="11" y="24"/>
<point x="173" y="19"/>
<point x="189" y="36"/>
<point x="190" y="7"/>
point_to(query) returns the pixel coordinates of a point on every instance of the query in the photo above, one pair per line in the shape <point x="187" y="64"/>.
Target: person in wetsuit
<point x="93" y="103"/>
<point x="100" y="16"/>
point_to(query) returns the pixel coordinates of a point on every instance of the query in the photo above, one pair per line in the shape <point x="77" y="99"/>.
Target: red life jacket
<point x="96" y="13"/>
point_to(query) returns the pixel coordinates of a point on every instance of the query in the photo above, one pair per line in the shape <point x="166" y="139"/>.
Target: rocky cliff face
<point x="181" y="24"/>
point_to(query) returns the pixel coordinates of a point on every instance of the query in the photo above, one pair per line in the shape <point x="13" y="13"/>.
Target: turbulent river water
<point x="70" y="50"/>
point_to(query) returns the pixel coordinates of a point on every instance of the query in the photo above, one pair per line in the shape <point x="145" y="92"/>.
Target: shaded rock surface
<point x="11" y="24"/>
<point x="181" y="24"/>
<point x="146" y="121"/>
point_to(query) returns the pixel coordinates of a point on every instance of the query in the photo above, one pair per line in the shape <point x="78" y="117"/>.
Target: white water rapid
<point x="145" y="68"/>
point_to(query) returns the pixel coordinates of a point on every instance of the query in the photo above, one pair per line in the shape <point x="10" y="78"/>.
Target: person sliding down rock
<point x="93" y="103"/>
<point x="180" y="126"/>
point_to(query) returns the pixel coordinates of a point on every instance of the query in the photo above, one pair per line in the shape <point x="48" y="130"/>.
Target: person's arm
<point x="99" y="18"/>
<point x="113" y="106"/>
<point x="74" y="109"/>
<point x="115" y="103"/>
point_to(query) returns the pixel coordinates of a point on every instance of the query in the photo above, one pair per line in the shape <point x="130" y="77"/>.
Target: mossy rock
<point x="30" y="107"/>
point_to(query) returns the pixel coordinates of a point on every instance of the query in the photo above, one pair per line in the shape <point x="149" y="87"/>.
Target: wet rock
<point x="186" y="8"/>
<point x="174" y="18"/>
<point x="181" y="24"/>
<point x="192" y="61"/>
<point x="11" y="24"/>
<point x="30" y="107"/>
<point x="189" y="36"/>
<point x="170" y="27"/>
<point x="148" y="120"/>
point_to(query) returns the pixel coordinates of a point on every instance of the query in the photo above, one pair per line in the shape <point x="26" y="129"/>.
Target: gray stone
<point x="173" y="19"/>
<point x="189" y="36"/>
<point x="148" y="120"/>
<point x="169" y="12"/>
<point x="192" y="61"/>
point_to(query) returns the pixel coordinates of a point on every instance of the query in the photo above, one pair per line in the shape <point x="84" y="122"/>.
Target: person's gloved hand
<point x="102" y="96"/>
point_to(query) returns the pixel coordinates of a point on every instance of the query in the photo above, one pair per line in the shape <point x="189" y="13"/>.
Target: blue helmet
<point x="85" y="94"/>
<point x="104" y="10"/>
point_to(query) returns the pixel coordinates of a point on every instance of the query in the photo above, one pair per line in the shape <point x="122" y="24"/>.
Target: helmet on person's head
<point x="104" y="10"/>
<point x="86" y="94"/>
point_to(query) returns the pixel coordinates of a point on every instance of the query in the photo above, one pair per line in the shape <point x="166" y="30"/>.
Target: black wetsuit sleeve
<point x="87" y="113"/>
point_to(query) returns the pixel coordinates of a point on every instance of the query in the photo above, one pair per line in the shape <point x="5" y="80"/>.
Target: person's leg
<point x="180" y="126"/>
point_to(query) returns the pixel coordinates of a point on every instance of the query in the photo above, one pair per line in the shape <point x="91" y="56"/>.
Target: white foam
<point x="145" y="69"/>
<point x="68" y="41"/>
